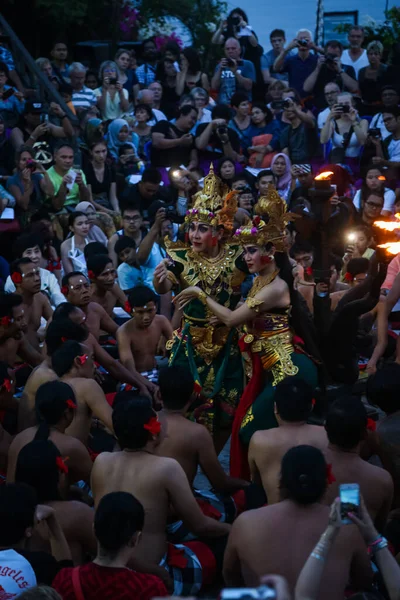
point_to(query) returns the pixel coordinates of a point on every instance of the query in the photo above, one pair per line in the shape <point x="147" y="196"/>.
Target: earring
<point x="265" y="260"/>
<point x="214" y="241"/>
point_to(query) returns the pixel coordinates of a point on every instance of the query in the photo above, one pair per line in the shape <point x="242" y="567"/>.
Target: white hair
<point x="306" y="31"/>
<point x="76" y="67"/>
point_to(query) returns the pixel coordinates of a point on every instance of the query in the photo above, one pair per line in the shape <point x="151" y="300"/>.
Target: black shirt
<point x="100" y="187"/>
<point x="172" y="157"/>
<point x="132" y="196"/>
<point x="215" y="148"/>
<point x="44" y="565"/>
<point x="328" y="75"/>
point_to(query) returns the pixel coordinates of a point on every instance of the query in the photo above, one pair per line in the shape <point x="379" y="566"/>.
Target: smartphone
<point x="8" y="93"/>
<point x="334" y="188"/>
<point x="349" y="501"/>
<point x="113" y="81"/>
<point x="44" y="119"/>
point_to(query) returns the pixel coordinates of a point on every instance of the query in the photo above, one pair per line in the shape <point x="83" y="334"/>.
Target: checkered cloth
<point x="216" y="506"/>
<point x="190" y="565"/>
<point x="152" y="376"/>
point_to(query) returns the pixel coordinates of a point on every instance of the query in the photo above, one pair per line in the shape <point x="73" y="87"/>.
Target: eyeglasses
<point x="374" y="205"/>
<point x="132" y="219"/>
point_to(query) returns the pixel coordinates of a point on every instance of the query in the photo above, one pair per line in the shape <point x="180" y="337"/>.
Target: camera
<point x="303" y="43"/>
<point x="330" y="58"/>
<point x="230" y="62"/>
<point x="113" y="81"/>
<point x="264" y="592"/>
<point x="375" y="132"/>
<point x="173" y="216"/>
<point x="235" y="21"/>
<point x="8" y="93"/>
<point x="278" y="105"/>
<point x="287" y="103"/>
<point x="222" y="130"/>
<point x="31" y="165"/>
<point x="343" y="108"/>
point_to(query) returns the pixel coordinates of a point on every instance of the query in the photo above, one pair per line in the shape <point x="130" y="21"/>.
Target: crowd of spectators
<point x="87" y="197"/>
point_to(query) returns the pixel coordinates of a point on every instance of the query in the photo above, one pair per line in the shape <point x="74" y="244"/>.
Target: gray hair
<point x="200" y="92"/>
<point x="108" y="63"/>
<point x="375" y="45"/>
<point x="306" y="31"/>
<point x="76" y="67"/>
<point x="42" y="61"/>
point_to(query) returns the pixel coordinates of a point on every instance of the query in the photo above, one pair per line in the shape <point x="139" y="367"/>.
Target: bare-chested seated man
<point x="158" y="483"/>
<point x="76" y="289"/>
<point x="14" y="344"/>
<point x="105" y="289"/>
<point x="8" y="412"/>
<point x="26" y="278"/>
<point x="139" y="338"/>
<point x="55" y="407"/>
<point x="383" y="390"/>
<point x="346" y="427"/>
<point x="279" y="538"/>
<point x="192" y="446"/>
<point x="73" y="364"/>
<point x="293" y="406"/>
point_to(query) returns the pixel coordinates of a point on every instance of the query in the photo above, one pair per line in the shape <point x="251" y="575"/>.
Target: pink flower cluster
<point x="129" y="18"/>
<point x="161" y="40"/>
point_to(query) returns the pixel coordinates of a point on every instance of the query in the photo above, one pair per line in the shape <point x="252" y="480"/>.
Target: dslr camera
<point x="303" y="43"/>
<point x="222" y="130"/>
<point x="330" y="59"/>
<point x="288" y="102"/>
<point x="113" y="81"/>
<point x="344" y="108"/>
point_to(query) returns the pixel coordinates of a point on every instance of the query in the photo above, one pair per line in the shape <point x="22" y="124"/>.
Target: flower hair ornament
<point x="348" y="277"/>
<point x="61" y="466"/>
<point x="128" y="307"/>
<point x="153" y="426"/>
<point x="16" y="278"/>
<point x="70" y="404"/>
<point x="330" y="478"/>
<point x="268" y="226"/>
<point x="82" y="360"/>
<point x="214" y="204"/>
<point x="6" y="385"/>
<point x="65" y="290"/>
<point x="91" y="275"/>
<point x="5" y="321"/>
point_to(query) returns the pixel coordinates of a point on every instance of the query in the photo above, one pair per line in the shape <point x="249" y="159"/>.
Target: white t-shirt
<point x="377" y="122"/>
<point x="389" y="199"/>
<point x="16" y="574"/>
<point x="322" y="117"/>
<point x="361" y="62"/>
<point x="112" y="108"/>
<point x="394" y="150"/>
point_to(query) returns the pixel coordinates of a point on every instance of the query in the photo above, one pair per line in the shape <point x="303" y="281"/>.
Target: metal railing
<point x="30" y="74"/>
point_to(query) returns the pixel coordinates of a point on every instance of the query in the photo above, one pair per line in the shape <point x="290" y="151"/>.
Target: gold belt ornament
<point x="276" y="350"/>
<point x="208" y="341"/>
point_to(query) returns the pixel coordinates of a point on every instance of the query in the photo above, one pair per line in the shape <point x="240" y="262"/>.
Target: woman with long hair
<point x="374" y="181"/>
<point x="112" y="98"/>
<point x="101" y="180"/>
<point x="72" y="248"/>
<point x="262" y="136"/>
<point x="126" y="73"/>
<point x="267" y="318"/>
<point x="191" y="74"/>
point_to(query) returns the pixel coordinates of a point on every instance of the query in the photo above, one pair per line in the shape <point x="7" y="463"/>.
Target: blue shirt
<point x="129" y="277"/>
<point x="298" y="71"/>
<point x="6" y="57"/>
<point x="229" y="84"/>
<point x="156" y="255"/>
<point x="11" y="108"/>
<point x="273" y="127"/>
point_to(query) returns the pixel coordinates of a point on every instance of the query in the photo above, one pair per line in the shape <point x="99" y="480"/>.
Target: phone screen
<point x="349" y="501"/>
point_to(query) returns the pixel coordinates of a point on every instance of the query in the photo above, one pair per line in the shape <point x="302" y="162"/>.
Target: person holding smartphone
<point x="112" y="97"/>
<point x="11" y="101"/>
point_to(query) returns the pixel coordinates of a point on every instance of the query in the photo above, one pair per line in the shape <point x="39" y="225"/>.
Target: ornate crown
<point x="268" y="226"/>
<point x="214" y="204"/>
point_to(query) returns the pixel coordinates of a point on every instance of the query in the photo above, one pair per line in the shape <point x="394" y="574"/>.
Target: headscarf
<point x="83" y="206"/>
<point x="286" y="178"/>
<point x="92" y="134"/>
<point x="113" y="142"/>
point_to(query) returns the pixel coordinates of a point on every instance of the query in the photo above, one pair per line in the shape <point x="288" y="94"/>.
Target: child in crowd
<point x="264" y="178"/>
<point x="141" y="338"/>
<point x="129" y="273"/>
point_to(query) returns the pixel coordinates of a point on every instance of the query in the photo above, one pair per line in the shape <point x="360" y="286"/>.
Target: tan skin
<point x="14" y="343"/>
<point x="64" y="160"/>
<point x="90" y="398"/>
<point x="97" y="319"/>
<point x="106" y="291"/>
<point x="138" y="338"/>
<point x="262" y="539"/>
<point x="192" y="446"/>
<point x="98" y="155"/>
<point x="10" y="404"/>
<point x="79" y="461"/>
<point x="80" y="229"/>
<point x="158" y="483"/>
<point x="375" y="483"/>
<point x="35" y="304"/>
<point x="267" y="448"/>
<point x="132" y="222"/>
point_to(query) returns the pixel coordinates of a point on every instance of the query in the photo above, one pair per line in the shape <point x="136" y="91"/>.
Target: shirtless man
<point x="293" y="406"/>
<point x="105" y="289"/>
<point x="139" y="338"/>
<point x="189" y="443"/>
<point x="26" y="278"/>
<point x="13" y="326"/>
<point x="76" y="289"/>
<point x="157" y="482"/>
<point x="60" y="330"/>
<point x="383" y="390"/>
<point x="279" y="538"/>
<point x="55" y="405"/>
<point x="8" y="404"/>
<point x="73" y="364"/>
<point x="346" y="427"/>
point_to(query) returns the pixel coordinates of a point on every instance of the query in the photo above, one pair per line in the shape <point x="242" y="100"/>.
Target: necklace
<point x="261" y="281"/>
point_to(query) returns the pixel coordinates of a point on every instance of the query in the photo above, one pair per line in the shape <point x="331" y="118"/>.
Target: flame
<point x="382" y="178"/>
<point x="392" y="248"/>
<point x="323" y="176"/>
<point x="387" y="225"/>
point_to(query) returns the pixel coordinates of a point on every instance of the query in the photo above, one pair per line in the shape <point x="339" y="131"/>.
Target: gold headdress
<point x="268" y="226"/>
<point x="214" y="204"/>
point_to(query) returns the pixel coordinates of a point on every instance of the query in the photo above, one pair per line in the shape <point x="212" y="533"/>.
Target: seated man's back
<point x="293" y="406"/>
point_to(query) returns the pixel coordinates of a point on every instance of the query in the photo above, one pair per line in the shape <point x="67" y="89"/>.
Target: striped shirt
<point x="146" y="74"/>
<point x="85" y="98"/>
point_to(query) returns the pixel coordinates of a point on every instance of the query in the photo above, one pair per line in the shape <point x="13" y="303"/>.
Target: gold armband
<point x="254" y="304"/>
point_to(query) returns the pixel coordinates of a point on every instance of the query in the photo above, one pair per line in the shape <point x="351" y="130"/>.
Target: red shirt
<point x="109" y="583"/>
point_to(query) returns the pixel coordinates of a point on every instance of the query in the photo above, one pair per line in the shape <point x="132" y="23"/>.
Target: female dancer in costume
<point x="264" y="318"/>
